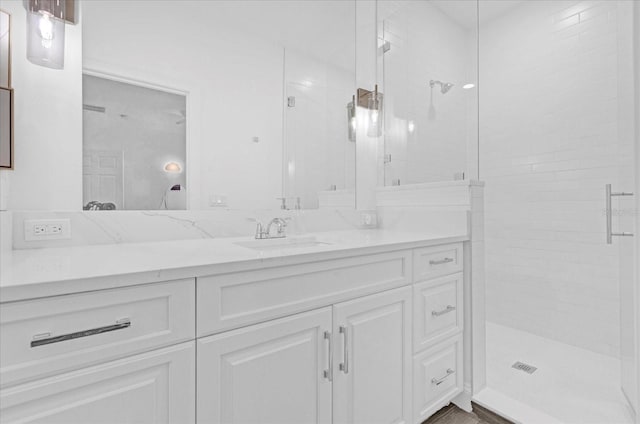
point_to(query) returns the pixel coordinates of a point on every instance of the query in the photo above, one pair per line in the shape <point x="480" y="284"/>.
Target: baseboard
<point x="463" y="400"/>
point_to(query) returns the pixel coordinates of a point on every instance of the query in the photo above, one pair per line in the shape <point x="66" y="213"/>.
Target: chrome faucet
<point x="265" y="233"/>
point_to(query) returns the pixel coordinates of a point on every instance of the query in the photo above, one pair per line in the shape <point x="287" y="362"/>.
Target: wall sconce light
<point x="172" y="167"/>
<point x="351" y="119"/>
<point x="372" y="101"/>
<point x="45" y="32"/>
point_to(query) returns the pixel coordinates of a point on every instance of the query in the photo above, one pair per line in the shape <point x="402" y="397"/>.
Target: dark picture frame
<point x="6" y="128"/>
<point x="6" y="93"/>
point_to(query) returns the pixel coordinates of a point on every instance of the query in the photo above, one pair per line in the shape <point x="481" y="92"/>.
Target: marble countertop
<point x="26" y="274"/>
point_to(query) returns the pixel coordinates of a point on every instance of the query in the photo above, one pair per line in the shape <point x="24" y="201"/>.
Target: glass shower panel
<point x="556" y="126"/>
<point x="429" y="80"/>
<point x="319" y="84"/>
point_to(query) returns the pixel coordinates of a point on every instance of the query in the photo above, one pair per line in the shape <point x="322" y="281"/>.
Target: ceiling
<point x="130" y="101"/>
<point x="464" y="12"/>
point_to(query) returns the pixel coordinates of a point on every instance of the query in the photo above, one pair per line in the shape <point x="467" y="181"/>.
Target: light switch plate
<point x="47" y="229"/>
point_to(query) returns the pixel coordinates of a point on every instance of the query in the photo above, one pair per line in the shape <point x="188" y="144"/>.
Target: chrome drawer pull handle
<point x="119" y="325"/>
<point x="328" y="373"/>
<point x="441" y="261"/>
<point x="446" y="310"/>
<point x="344" y="366"/>
<point x="438" y="381"/>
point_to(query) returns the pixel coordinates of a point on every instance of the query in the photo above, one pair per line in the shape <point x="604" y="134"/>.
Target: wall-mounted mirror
<point x="264" y="89"/>
<point x="134" y="146"/>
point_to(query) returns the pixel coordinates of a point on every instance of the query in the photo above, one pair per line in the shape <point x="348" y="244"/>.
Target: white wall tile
<point x="548" y="145"/>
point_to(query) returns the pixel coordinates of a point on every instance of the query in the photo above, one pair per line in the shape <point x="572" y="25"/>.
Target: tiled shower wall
<point x="550" y="139"/>
<point x="429" y="136"/>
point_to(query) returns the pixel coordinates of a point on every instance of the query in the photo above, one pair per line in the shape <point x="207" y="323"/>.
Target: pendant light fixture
<point x="45" y="32"/>
<point x="371" y="101"/>
<point x="374" y="107"/>
<point x="351" y="119"/>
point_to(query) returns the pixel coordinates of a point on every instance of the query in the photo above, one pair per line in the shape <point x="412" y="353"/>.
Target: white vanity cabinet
<point x="42" y="337"/>
<point x="153" y="387"/>
<point x="122" y="355"/>
<point x="437" y="328"/>
<point x="372" y="359"/>
<point x="274" y="372"/>
<point x="353" y="358"/>
<point x="370" y="338"/>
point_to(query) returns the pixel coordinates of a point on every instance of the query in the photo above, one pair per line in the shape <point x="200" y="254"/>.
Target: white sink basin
<point x="281" y="243"/>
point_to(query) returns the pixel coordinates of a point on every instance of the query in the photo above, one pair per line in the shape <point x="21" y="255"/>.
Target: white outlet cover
<point x="368" y="220"/>
<point x="55" y="229"/>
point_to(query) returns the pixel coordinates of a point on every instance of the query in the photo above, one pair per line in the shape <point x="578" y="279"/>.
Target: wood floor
<point x="453" y="415"/>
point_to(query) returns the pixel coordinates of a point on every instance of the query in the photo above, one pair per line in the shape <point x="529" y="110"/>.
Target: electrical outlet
<point x="47" y="229"/>
<point x="368" y="220"/>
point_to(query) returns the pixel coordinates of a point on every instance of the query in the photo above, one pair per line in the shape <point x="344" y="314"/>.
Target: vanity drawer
<point x="236" y="300"/>
<point x="46" y="336"/>
<point x="438" y="310"/>
<point x="437" y="377"/>
<point x="435" y="261"/>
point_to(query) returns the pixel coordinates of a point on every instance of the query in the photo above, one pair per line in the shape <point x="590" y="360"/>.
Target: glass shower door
<point x="557" y="120"/>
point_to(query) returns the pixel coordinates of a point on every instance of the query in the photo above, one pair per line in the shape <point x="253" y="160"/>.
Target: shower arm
<point x="444" y="86"/>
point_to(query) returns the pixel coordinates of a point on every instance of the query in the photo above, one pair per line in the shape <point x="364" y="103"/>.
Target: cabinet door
<point x="154" y="387"/>
<point x="372" y="359"/>
<point x="272" y="372"/>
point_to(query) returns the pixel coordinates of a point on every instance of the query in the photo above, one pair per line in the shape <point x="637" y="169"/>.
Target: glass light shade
<point x="45" y="39"/>
<point x="374" y="106"/>
<point x="351" y="120"/>
<point x="172" y="167"/>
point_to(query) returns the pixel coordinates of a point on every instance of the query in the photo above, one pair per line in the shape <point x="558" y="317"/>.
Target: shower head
<point x="444" y="86"/>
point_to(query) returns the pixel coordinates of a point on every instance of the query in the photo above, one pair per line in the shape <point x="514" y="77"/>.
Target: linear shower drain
<point x="529" y="369"/>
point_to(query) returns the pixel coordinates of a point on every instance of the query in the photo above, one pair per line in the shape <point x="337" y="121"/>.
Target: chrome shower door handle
<point x="607" y="199"/>
<point x="328" y="373"/>
<point x="609" y="213"/>
<point x="344" y="366"/>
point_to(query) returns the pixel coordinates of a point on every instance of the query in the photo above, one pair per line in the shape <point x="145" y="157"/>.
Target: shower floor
<point x="571" y="385"/>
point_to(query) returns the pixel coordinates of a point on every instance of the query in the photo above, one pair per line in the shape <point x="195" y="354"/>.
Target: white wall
<point x="48" y="124"/>
<point x="549" y="142"/>
<point x="427" y="44"/>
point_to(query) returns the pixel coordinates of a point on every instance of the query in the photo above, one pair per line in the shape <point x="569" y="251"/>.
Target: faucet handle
<point x="281" y="224"/>
<point x="283" y="204"/>
<point x="285" y="221"/>
<point x="259" y="230"/>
